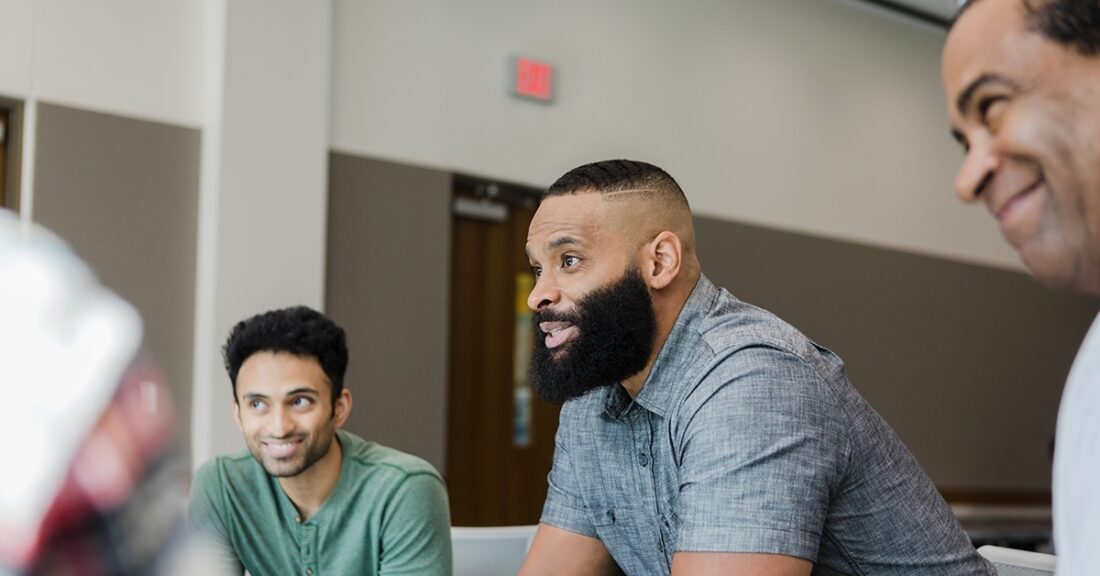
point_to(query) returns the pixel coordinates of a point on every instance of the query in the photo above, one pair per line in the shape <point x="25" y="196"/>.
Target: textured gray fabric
<point x="748" y="437"/>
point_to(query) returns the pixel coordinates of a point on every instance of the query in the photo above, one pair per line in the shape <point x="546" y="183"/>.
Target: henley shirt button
<point x="298" y="519"/>
<point x="309" y="571"/>
<point x="643" y="459"/>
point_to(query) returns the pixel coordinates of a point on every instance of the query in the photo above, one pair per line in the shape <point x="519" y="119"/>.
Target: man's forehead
<point x="985" y="24"/>
<point x="573" y="216"/>
<point x="989" y="39"/>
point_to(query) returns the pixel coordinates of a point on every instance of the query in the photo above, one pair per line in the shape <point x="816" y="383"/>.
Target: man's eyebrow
<point x="294" y="392"/>
<point x="563" y="241"/>
<point x="963" y="101"/>
<point x="554" y="244"/>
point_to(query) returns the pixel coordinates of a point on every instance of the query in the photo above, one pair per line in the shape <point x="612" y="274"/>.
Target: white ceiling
<point x="942" y="10"/>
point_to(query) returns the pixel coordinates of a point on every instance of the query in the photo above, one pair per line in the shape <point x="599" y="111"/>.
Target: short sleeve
<point x="204" y="516"/>
<point x="564" y="508"/>
<point x="416" y="531"/>
<point x="760" y="447"/>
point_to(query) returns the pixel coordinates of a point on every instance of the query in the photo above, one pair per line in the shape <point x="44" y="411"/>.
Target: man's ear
<point x="663" y="257"/>
<point x="342" y="408"/>
<point x="237" y="415"/>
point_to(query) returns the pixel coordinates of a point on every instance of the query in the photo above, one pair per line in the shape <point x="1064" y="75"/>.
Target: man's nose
<point x="543" y="294"/>
<point x="977" y="170"/>
<point x="281" y="423"/>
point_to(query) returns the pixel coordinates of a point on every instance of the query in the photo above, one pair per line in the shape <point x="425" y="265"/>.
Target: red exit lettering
<point x="534" y="79"/>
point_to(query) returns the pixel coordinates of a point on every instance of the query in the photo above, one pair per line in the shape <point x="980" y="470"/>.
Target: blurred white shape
<point x="65" y="342"/>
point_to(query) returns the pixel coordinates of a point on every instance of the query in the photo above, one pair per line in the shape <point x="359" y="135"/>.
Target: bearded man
<point x="307" y="497"/>
<point x="701" y="435"/>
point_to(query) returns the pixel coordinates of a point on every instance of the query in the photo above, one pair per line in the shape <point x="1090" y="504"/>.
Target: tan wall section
<point x="124" y="194"/>
<point x="387" y="284"/>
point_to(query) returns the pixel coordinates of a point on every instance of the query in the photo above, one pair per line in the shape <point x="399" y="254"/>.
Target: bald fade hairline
<point x="622" y="195"/>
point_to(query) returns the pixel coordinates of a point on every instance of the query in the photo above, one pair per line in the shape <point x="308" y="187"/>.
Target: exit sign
<point x="533" y="79"/>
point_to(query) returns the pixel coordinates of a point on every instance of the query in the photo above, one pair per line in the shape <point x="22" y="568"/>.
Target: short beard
<point x="616" y="326"/>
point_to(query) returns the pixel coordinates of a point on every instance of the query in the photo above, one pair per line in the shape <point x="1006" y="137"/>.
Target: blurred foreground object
<point x="91" y="482"/>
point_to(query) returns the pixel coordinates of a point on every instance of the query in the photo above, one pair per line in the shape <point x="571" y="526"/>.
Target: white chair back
<point x="490" y="551"/>
<point x="1011" y="562"/>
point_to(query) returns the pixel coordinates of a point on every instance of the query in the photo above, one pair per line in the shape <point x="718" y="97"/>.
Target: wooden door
<point x="500" y="437"/>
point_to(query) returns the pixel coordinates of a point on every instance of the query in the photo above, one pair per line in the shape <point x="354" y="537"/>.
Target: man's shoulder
<point x="729" y="340"/>
<point x="730" y="323"/>
<point x="236" y="469"/>
<point x="365" y="455"/>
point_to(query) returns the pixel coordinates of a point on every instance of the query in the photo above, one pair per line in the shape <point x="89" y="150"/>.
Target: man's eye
<point x="302" y="401"/>
<point x="256" y="404"/>
<point x="570" y="261"/>
<point x="536" y="270"/>
<point x="989" y="108"/>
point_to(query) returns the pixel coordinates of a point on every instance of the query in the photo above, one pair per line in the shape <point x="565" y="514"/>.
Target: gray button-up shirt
<point x="748" y="437"/>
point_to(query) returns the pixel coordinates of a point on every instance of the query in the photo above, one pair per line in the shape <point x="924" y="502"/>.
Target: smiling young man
<point x="307" y="497"/>
<point x="1022" y="81"/>
<point x="701" y="435"/>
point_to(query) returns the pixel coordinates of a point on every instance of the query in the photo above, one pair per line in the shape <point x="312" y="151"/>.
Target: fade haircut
<point x="1074" y="24"/>
<point x="298" y="330"/>
<point x="611" y="176"/>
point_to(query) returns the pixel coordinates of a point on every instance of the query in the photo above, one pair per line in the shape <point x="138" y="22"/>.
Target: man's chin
<point x="561" y="391"/>
<point x="279" y="468"/>
<point x="283" y="469"/>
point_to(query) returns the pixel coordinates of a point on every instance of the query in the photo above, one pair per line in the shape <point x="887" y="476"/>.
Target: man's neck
<point x="668" y="311"/>
<point x="309" y="490"/>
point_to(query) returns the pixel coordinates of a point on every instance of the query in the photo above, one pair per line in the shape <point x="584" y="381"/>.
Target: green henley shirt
<point x="387" y="516"/>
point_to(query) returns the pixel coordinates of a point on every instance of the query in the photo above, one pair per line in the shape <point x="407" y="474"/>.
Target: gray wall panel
<point x="124" y="194"/>
<point x="966" y="362"/>
<point x="387" y="283"/>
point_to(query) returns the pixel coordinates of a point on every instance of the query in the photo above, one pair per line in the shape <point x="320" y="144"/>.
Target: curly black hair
<point x="298" y="330"/>
<point x="609" y="176"/>
<point x="1074" y="24"/>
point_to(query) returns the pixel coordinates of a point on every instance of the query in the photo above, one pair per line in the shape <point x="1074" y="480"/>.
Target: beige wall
<point x="810" y="116"/>
<point x="262" y="211"/>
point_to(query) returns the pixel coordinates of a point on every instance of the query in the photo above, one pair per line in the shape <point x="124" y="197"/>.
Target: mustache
<point x="554" y="316"/>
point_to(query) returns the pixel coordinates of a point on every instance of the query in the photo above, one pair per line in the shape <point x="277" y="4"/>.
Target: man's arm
<point x="416" y="535"/>
<point x="725" y="563"/>
<point x="555" y="551"/>
<point x="761" y="447"/>
<point x="205" y="523"/>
